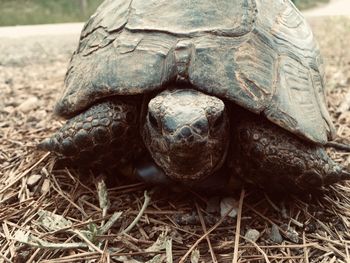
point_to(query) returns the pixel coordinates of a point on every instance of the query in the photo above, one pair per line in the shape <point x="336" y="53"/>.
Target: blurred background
<point x="25" y="12"/>
<point x="305" y="4"/>
<point x="29" y="12"/>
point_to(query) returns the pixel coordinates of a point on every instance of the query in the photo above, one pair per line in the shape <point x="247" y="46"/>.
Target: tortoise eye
<point x="153" y="120"/>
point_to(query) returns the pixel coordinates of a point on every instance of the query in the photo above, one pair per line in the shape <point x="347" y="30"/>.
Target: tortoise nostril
<point x="201" y="126"/>
<point x="185" y="132"/>
<point x="184" y="135"/>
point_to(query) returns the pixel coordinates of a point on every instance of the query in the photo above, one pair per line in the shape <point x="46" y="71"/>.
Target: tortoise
<point x="199" y="89"/>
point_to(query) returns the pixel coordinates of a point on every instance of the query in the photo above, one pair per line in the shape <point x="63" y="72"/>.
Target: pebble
<point x="213" y="205"/>
<point x="252" y="235"/>
<point x="275" y="235"/>
<point x="9" y="81"/>
<point x="33" y="179"/>
<point x="29" y="104"/>
<point x="291" y="234"/>
<point x="226" y="204"/>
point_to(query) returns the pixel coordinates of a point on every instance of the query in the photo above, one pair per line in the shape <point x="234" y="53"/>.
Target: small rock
<point x="252" y="235"/>
<point x="226" y="204"/>
<point x="195" y="256"/>
<point x="311" y="226"/>
<point x="275" y="235"/>
<point x="9" y="81"/>
<point x="33" y="180"/>
<point x="213" y="205"/>
<point x="344" y="117"/>
<point x="291" y="234"/>
<point x="45" y="186"/>
<point x="187" y="219"/>
<point x="28" y="105"/>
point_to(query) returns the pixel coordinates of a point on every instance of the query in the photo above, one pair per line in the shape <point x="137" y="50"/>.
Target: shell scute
<point x="258" y="54"/>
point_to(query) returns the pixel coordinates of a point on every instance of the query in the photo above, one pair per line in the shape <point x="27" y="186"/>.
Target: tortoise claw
<point x="48" y="144"/>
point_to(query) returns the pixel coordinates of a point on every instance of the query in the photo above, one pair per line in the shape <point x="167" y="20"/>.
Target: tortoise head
<point x="187" y="133"/>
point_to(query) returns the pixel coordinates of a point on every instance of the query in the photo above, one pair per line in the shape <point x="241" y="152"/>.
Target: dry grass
<point x="86" y="225"/>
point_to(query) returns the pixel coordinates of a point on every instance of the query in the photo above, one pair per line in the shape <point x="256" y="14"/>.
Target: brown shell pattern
<point x="259" y="54"/>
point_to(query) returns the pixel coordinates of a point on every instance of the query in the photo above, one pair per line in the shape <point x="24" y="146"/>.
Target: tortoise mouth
<point x="183" y="156"/>
<point x="192" y="165"/>
<point x="187" y="170"/>
<point x="187" y="162"/>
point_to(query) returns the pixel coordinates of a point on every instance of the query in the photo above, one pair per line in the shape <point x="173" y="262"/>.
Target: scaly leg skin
<point x="265" y="155"/>
<point x="105" y="135"/>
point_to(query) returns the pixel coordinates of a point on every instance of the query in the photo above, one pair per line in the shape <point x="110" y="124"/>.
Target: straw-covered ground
<point x="55" y="215"/>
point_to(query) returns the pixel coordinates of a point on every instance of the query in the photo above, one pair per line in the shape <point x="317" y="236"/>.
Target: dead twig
<point x="212" y="253"/>
<point x="238" y="227"/>
<point x="137" y="218"/>
<point x="184" y="257"/>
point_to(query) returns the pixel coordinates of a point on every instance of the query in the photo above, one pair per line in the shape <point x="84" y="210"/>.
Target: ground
<point x="55" y="215"/>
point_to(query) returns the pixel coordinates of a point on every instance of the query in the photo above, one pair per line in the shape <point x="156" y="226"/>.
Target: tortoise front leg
<point x="264" y="154"/>
<point x="107" y="135"/>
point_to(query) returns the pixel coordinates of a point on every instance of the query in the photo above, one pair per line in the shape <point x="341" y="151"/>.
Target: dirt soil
<point x="62" y="215"/>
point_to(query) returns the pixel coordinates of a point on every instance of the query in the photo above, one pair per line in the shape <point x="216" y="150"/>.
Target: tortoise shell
<point x="259" y="54"/>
